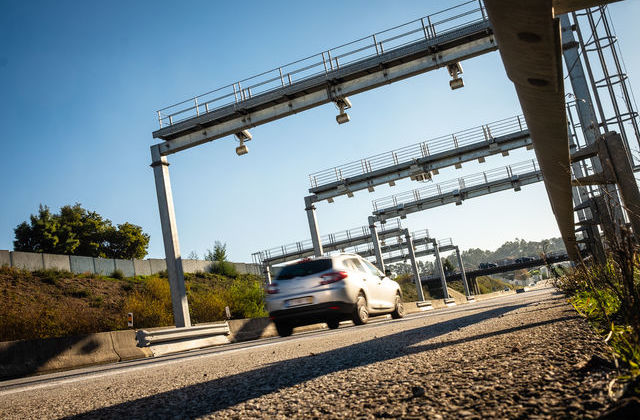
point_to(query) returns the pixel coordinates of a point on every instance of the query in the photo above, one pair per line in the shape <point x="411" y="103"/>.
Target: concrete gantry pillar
<point x="313" y="226"/>
<point x="266" y="270"/>
<point x="463" y="275"/>
<point x="414" y="265"/>
<point x="179" y="302"/>
<point x="443" y="279"/>
<point x="376" y="243"/>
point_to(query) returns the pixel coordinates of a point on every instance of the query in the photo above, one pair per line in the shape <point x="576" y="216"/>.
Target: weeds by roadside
<point x="609" y="297"/>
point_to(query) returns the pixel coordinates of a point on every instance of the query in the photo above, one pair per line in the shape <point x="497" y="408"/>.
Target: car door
<point x="363" y="277"/>
<point x="378" y="288"/>
<point x="385" y="288"/>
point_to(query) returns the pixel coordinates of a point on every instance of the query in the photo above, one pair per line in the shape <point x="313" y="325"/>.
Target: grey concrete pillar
<point x="376" y="243"/>
<point x="266" y="270"/>
<point x="170" y="238"/>
<point x="443" y="279"/>
<point x="620" y="163"/>
<point x="414" y="265"/>
<point x="313" y="226"/>
<point x="467" y="293"/>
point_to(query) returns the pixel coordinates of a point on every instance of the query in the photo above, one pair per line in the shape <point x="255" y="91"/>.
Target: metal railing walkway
<point x="421" y="158"/>
<point x="332" y="242"/>
<point x="457" y="190"/>
<point x="431" y="42"/>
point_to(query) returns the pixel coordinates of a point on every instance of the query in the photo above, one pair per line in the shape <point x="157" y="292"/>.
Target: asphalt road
<point x="526" y="354"/>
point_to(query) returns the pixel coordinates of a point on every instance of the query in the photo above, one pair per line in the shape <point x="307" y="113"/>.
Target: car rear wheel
<point x="333" y="324"/>
<point x="361" y="312"/>
<point x="284" y="329"/>
<point x="398" y="312"/>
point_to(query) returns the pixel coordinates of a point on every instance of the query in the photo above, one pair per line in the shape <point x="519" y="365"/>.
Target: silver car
<point x="331" y="289"/>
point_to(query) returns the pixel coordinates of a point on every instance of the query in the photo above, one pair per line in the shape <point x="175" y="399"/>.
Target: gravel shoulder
<point x="525" y="355"/>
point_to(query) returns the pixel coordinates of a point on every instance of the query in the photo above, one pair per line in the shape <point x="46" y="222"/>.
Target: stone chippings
<point x="528" y="357"/>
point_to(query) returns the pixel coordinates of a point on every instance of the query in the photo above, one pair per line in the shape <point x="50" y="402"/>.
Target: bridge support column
<point x="463" y="275"/>
<point x="443" y="279"/>
<point x="414" y="265"/>
<point x="179" y="302"/>
<point x="266" y="270"/>
<point x="313" y="226"/>
<point x="376" y="243"/>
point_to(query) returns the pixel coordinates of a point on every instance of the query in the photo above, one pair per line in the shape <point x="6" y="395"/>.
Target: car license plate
<point x="300" y="301"/>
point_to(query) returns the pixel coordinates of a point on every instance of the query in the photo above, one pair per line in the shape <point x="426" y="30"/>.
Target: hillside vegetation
<point x="510" y="249"/>
<point x="53" y="303"/>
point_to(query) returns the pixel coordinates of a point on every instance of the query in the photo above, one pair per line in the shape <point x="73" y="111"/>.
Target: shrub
<point x="117" y="274"/>
<point x="247" y="298"/>
<point x="207" y="307"/>
<point x="224" y="268"/>
<point x="151" y="307"/>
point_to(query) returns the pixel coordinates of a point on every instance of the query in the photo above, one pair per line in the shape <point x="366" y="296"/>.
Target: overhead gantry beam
<point x="430" y="53"/>
<point x="456" y="191"/>
<point x="421" y="160"/>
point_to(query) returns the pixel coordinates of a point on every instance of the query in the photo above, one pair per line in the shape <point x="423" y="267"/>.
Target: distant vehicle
<point x="506" y="289"/>
<point x="484" y="266"/>
<point x="331" y="289"/>
<point x="524" y="260"/>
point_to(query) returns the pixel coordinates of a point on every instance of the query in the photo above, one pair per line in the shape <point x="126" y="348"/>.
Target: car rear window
<point x="305" y="268"/>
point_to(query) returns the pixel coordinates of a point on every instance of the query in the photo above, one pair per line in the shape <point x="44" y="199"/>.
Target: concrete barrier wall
<point x="27" y="260"/>
<point x="82" y="264"/>
<point x="56" y="262"/>
<point x="106" y="266"/>
<point x="126" y="266"/>
<point x="157" y="265"/>
<point x="5" y="258"/>
<point x="141" y="267"/>
<point x="195" y="266"/>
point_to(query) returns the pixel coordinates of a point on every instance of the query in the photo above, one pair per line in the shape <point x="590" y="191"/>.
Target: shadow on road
<point x="208" y="397"/>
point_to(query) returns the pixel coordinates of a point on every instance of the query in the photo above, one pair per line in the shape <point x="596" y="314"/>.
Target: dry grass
<point x="56" y="303"/>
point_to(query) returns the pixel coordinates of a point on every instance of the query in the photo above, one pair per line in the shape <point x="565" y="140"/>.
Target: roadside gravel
<point x="527" y="355"/>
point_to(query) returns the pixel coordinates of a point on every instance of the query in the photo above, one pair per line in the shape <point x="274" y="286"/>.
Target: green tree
<point x="77" y="231"/>
<point x="219" y="259"/>
<point x="219" y="253"/>
<point x="447" y="266"/>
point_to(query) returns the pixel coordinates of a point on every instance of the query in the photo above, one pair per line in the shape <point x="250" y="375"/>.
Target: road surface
<point x="520" y="355"/>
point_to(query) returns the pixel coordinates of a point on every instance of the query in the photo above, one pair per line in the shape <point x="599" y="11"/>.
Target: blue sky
<point x="80" y="83"/>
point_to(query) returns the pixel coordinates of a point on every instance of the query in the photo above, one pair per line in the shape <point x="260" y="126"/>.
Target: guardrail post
<point x="376" y="243"/>
<point x="440" y="268"/>
<point x="414" y="265"/>
<point x="313" y="226"/>
<point x="179" y="302"/>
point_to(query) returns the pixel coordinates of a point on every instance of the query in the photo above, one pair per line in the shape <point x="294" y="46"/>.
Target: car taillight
<point x="272" y="289"/>
<point x="333" y="277"/>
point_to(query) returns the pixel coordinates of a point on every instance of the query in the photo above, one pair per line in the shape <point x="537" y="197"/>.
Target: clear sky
<point x="80" y="83"/>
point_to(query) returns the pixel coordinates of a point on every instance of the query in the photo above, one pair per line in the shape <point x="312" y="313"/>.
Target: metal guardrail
<point x="326" y="62"/>
<point x="418" y="150"/>
<point x="456" y="184"/>
<point x="148" y="338"/>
